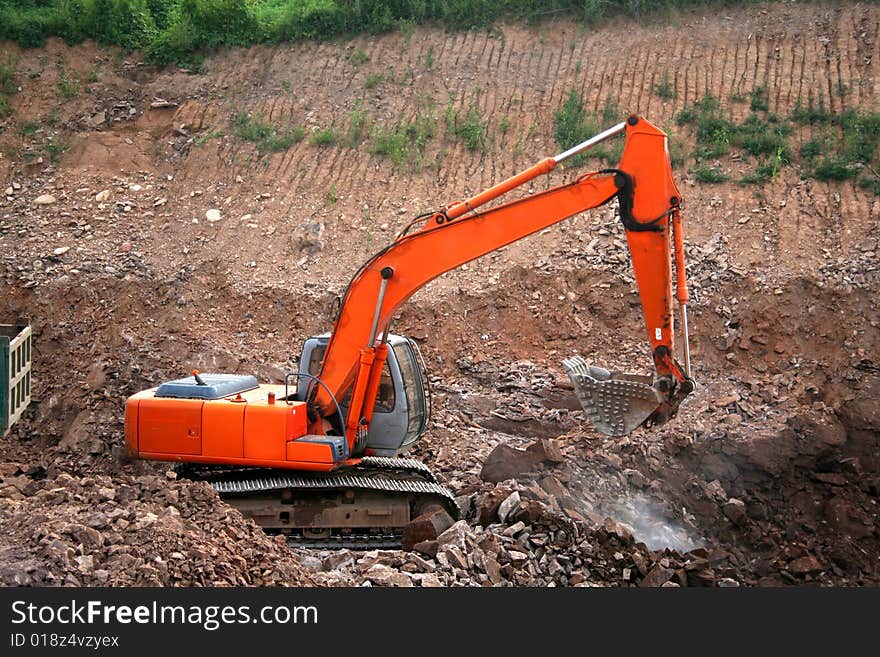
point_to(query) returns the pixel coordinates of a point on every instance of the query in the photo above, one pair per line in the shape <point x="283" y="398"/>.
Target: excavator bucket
<point x="615" y="402"/>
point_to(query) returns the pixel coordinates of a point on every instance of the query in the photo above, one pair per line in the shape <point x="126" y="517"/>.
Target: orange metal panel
<point x="297" y="421"/>
<point x="264" y="463"/>
<point x="298" y="450"/>
<point x="265" y="431"/>
<point x="131" y="425"/>
<point x="170" y="426"/>
<point x="223" y="428"/>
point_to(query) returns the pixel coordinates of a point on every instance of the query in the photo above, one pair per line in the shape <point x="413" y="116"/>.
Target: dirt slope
<point x="131" y="287"/>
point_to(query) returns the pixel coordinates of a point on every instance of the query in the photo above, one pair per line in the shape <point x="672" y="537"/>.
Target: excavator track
<point x="362" y="507"/>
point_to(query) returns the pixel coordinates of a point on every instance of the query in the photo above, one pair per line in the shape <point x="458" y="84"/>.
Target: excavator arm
<point x="458" y="233"/>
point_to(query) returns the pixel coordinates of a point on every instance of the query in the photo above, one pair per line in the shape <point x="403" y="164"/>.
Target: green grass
<point x="54" y="149"/>
<point x="68" y="88"/>
<point x="406" y="141"/>
<point x="716" y="133"/>
<point x="210" y="135"/>
<point x="768" y="168"/>
<point x="7" y="77"/>
<point x="373" y="80"/>
<point x="814" y="113"/>
<point x="759" y="100"/>
<point x="573" y="124"/>
<point x="664" y="88"/>
<point x="710" y="175"/>
<point x="7" y="86"/>
<point x="470" y="127"/>
<point x="759" y="175"/>
<point x="267" y="137"/>
<point x="861" y="135"/>
<point x="358" y="127"/>
<point x="28" y="128"/>
<point x="677" y="152"/>
<point x="834" y="167"/>
<point x="844" y="145"/>
<point x="759" y="137"/>
<point x="870" y="182"/>
<point x="358" y="57"/>
<point x="813" y="148"/>
<point x="324" y="137"/>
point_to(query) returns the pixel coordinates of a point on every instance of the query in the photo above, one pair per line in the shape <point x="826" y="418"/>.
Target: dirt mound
<point x="147" y="530"/>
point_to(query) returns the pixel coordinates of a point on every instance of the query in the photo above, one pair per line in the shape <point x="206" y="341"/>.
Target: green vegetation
<point x="358" y="127"/>
<point x="677" y="153"/>
<point x="759" y="100"/>
<point x="664" y="88"/>
<point x="405" y="141"/>
<point x="813" y="114"/>
<point x="764" y="138"/>
<point x="847" y="148"/>
<point x="358" y="57"/>
<point x="180" y="30"/>
<point x="210" y="135"/>
<point x="710" y="175"/>
<point x="68" y="88"/>
<point x="844" y="145"/>
<point x="54" y="149"/>
<point x="853" y="154"/>
<point x="573" y="124"/>
<point x="373" y="80"/>
<point x="268" y="138"/>
<point x="470" y="128"/>
<point x="324" y="137"/>
<point x="7" y="86"/>
<point x="28" y="128"/>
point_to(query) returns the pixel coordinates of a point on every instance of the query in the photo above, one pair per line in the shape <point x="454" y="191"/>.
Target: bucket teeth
<point x="616" y="403"/>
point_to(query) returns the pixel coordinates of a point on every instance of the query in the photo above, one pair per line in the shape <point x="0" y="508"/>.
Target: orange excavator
<point x="318" y="456"/>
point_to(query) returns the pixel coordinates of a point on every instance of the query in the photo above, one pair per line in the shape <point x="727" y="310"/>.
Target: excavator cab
<point x="401" y="414"/>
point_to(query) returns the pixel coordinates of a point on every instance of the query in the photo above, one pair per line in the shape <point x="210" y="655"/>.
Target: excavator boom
<point x="458" y="233"/>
